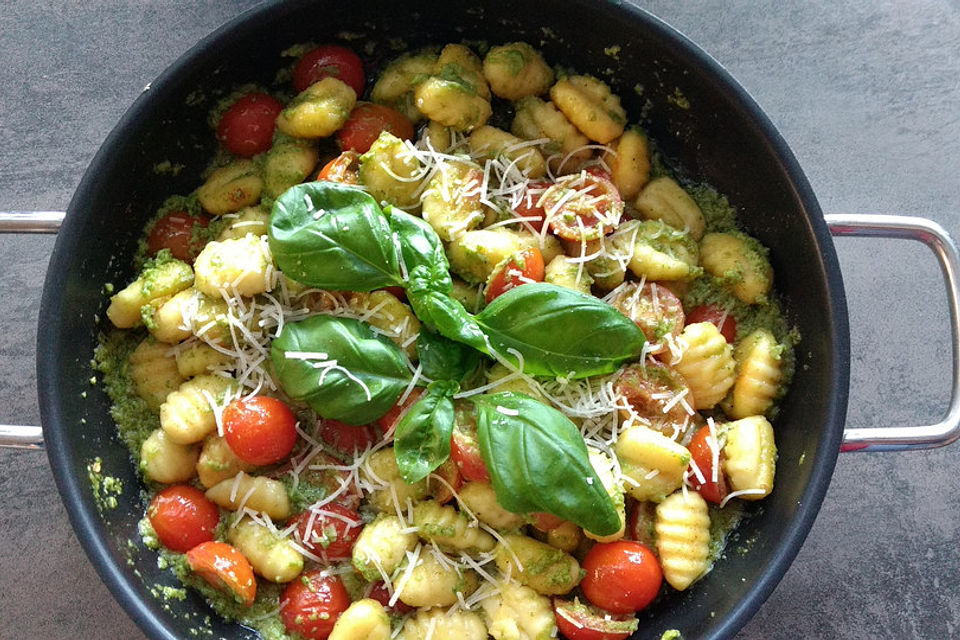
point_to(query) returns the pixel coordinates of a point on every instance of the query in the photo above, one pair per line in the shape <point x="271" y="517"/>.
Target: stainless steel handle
<point x="25" y="437"/>
<point x="31" y="221"/>
<point x="934" y="236"/>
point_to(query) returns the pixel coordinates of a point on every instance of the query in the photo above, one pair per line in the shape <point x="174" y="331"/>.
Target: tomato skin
<point x="525" y="265"/>
<point x="465" y="451"/>
<point x="224" y="567"/>
<point x="725" y="322"/>
<point x="345" y="169"/>
<point x="261" y="430"/>
<point x="246" y="128"/>
<point x="545" y="521"/>
<point x="348" y="438"/>
<point x="580" y="621"/>
<point x="622" y="576"/>
<point x="529" y="206"/>
<point x="701" y="454"/>
<point x="647" y="391"/>
<point x="183" y="517"/>
<point x="174" y="231"/>
<point x="329" y="60"/>
<point x="378" y="592"/>
<point x="311" y="604"/>
<point x="388" y="421"/>
<point x="367" y="121"/>
<point x="331" y="533"/>
<point x="452" y="480"/>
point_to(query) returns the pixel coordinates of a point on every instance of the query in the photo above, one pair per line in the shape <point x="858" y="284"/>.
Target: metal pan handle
<point x="934" y="236"/>
<point x="24" y="437"/>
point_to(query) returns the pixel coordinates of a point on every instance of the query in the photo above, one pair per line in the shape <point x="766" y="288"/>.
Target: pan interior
<point x="699" y="116"/>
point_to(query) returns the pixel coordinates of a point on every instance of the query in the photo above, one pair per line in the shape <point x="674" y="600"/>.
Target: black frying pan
<point x="722" y="137"/>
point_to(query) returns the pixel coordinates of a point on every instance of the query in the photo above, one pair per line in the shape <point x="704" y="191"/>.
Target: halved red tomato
<point x="706" y="454"/>
<point x="581" y="621"/>
<point x="524" y="267"/>
<point x="582" y="206"/>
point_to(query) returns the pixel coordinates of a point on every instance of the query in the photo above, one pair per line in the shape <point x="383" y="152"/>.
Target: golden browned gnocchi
<point x="386" y="467"/>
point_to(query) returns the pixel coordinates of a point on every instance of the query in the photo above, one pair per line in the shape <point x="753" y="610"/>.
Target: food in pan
<point x="457" y="354"/>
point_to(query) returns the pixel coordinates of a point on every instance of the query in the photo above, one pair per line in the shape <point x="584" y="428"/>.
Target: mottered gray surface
<point x="866" y="94"/>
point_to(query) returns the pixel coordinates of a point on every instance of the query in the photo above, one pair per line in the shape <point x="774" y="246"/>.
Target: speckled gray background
<point x="867" y="95"/>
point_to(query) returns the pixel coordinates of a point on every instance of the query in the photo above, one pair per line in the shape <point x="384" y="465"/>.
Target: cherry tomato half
<point x="655" y="309"/>
<point x="330" y="532"/>
<point x="465" y="449"/>
<point x="526" y="266"/>
<point x="367" y="121"/>
<point x="311" y="604"/>
<point x="580" y="621"/>
<point x="650" y="391"/>
<point x="445" y="481"/>
<point x="702" y="448"/>
<point x="379" y="592"/>
<point x="246" y="128"/>
<point x="622" y="576"/>
<point x="175" y="231"/>
<point x="183" y="517"/>
<point x="724" y="321"/>
<point x="260" y="430"/>
<point x="329" y="61"/>
<point x="388" y="421"/>
<point x="582" y="206"/>
<point x="347" y="437"/>
<point x="224" y="567"/>
<point x="344" y="169"/>
<point x="529" y="206"/>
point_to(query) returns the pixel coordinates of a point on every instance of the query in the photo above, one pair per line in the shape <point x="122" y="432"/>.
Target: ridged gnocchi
<point x="683" y="538"/>
<point x="705" y="361"/>
<point x="759" y="371"/>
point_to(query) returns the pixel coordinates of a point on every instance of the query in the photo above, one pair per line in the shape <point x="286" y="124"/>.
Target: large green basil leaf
<point x="422" y="439"/>
<point x="333" y="236"/>
<point x="420" y="246"/>
<point x="340" y="367"/>
<point x="538" y="462"/>
<point x="559" y="332"/>
<point x="445" y="359"/>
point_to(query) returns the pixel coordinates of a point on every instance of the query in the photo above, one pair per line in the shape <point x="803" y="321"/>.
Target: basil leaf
<point x="559" y="332"/>
<point x="333" y="236"/>
<point x="420" y="246"/>
<point x="340" y="367"/>
<point x="538" y="462"/>
<point x="422" y="439"/>
<point x="444" y="359"/>
<point x="438" y="310"/>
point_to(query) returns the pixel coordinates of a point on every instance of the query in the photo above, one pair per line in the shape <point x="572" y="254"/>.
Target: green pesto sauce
<point x="105" y="488"/>
<point x="135" y="421"/>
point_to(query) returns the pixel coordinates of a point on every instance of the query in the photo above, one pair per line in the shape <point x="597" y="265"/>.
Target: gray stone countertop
<point x="866" y="93"/>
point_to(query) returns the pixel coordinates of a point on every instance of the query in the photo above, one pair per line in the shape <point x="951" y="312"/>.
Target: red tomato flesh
<point x="175" y="231"/>
<point x="465" y="451"/>
<point x="346" y="437"/>
<point x="183" y="517"/>
<point x="579" y="621"/>
<point x="379" y="592"/>
<point x="330" y="531"/>
<point x="725" y="322"/>
<point x="224" y="567"/>
<point x="582" y="206"/>
<point x="702" y="448"/>
<point x="367" y="121"/>
<point x="388" y="421"/>
<point x="343" y="169"/>
<point x="329" y="61"/>
<point x="526" y="266"/>
<point x="311" y="604"/>
<point x="529" y="206"/>
<point x="260" y="430"/>
<point x="622" y="576"/>
<point x="246" y="128"/>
